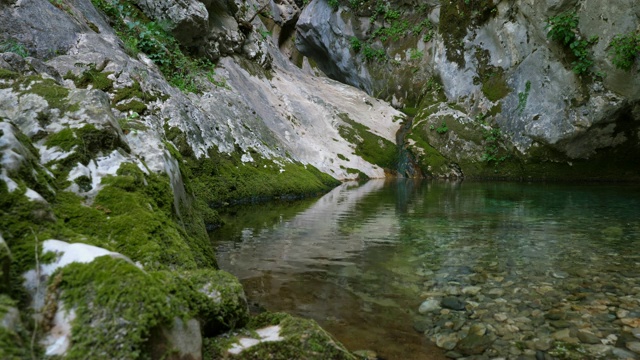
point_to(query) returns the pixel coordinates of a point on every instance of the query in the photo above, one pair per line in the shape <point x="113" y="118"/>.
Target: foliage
<point x="14" y="46"/>
<point x="564" y="29"/>
<point x="334" y="4"/>
<point x="356" y="45"/>
<point x="442" y="129"/>
<point x="416" y="54"/>
<point x="625" y="49"/>
<point x="373" y="54"/>
<point x="523" y="96"/>
<point x="493" y="145"/>
<point x="154" y="39"/>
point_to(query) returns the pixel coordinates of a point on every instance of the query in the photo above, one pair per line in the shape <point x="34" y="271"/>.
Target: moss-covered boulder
<point x="278" y="336"/>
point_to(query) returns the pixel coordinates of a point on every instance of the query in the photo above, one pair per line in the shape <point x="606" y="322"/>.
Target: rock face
<point x="510" y="101"/>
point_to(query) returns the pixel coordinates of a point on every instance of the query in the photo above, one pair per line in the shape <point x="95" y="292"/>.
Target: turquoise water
<point x="361" y="259"/>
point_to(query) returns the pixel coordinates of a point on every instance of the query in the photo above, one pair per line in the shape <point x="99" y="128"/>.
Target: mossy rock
<point x="13" y="343"/>
<point x="297" y="339"/>
<point x="369" y="146"/>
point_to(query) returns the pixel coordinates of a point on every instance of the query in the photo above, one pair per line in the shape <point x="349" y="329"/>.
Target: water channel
<point x="532" y="264"/>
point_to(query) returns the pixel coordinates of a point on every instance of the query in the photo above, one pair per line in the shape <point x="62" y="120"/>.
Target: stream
<point x="411" y="269"/>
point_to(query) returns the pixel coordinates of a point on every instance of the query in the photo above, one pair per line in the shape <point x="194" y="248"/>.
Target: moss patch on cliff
<point x="133" y="215"/>
<point x="222" y="178"/>
<point x="369" y="146"/>
<point x="456" y="18"/>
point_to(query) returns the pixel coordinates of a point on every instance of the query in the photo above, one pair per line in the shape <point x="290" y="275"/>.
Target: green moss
<point x="65" y="139"/>
<point x="456" y="18"/>
<point x="13" y="342"/>
<point x="94" y="77"/>
<point x="116" y="305"/>
<point x="8" y="75"/>
<point x="137" y="220"/>
<point x="428" y="159"/>
<point x="303" y="339"/>
<point x="221" y="178"/>
<point x="495" y="87"/>
<point x="54" y="94"/>
<point x="135" y="96"/>
<point x="370" y="147"/>
<point x="132" y="105"/>
<point x="226" y="311"/>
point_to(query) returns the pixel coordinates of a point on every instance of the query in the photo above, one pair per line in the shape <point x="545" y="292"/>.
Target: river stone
<point x="619" y="353"/>
<point x="560" y="324"/>
<point x="636" y="332"/>
<point x="422" y="324"/>
<point x="474" y="344"/>
<point x="500" y="317"/>
<point x="587" y="337"/>
<point x="634" y="346"/>
<point x="446" y="341"/>
<point x="428" y="306"/>
<point x="453" y="303"/>
<point x="471" y="290"/>
<point x="478" y="329"/>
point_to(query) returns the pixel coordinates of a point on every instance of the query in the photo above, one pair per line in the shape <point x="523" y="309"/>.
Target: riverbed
<point x="434" y="270"/>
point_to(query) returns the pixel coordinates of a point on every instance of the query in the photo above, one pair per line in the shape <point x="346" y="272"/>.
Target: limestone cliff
<point x="517" y="88"/>
<point x="125" y="124"/>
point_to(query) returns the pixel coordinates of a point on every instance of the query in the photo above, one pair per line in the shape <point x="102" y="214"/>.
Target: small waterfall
<point x="407" y="167"/>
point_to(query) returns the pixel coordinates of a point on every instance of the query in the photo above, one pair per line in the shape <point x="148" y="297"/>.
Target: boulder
<point x="281" y="336"/>
<point x="188" y="19"/>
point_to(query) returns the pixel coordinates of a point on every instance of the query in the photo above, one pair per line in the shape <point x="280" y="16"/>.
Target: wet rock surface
<point x="532" y="313"/>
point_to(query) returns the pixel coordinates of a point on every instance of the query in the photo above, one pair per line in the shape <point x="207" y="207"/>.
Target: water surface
<point x="361" y="259"/>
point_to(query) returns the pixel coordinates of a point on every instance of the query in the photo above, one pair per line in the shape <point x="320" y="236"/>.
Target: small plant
<point x="564" y="29"/>
<point x="356" y="45"/>
<point x="523" y="96"/>
<point x="416" y="54"/>
<point x="14" y="47"/>
<point x="334" y="4"/>
<point x="625" y="49"/>
<point x="264" y="34"/>
<point x="493" y="140"/>
<point x="442" y="128"/>
<point x="373" y="54"/>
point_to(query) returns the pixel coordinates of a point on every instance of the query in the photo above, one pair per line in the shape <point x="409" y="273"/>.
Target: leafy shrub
<point x="564" y="29"/>
<point x="625" y="49"/>
<point x="356" y="45"/>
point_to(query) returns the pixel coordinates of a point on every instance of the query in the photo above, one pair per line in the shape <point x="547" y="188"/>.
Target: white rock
<point x="428" y="306"/>
<point x="267" y="334"/>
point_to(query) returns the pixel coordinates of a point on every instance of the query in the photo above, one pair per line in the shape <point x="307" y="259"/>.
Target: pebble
<point x="496" y="308"/>
<point x="428" y="306"/>
<point x="588" y="338"/>
<point x="453" y="303"/>
<point x="500" y="317"/>
<point x="447" y="341"/>
<point x="471" y="290"/>
<point x="634" y="346"/>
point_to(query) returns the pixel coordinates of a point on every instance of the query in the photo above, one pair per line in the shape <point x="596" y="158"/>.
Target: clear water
<point x="362" y="258"/>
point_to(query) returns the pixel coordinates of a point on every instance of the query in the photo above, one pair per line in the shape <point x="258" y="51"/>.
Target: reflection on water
<point x="361" y="259"/>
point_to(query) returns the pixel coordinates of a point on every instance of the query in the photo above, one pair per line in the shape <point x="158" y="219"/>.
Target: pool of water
<point x="532" y="264"/>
